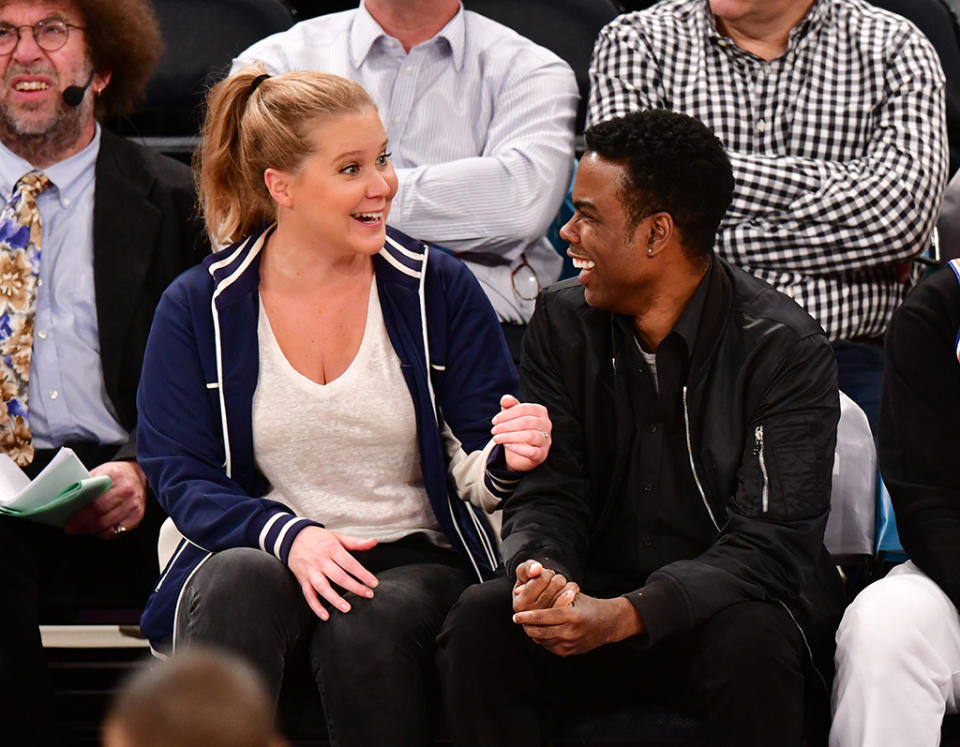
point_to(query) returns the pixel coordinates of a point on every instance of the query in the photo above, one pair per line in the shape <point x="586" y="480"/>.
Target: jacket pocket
<point x="782" y="476"/>
<point x="764" y="474"/>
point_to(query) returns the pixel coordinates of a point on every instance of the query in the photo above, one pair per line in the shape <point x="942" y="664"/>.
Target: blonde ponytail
<point x="255" y="122"/>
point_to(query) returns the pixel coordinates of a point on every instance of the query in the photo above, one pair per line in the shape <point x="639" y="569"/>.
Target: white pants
<point x="898" y="664"/>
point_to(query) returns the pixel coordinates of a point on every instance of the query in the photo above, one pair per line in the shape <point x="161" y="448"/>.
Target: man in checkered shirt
<point x="832" y="112"/>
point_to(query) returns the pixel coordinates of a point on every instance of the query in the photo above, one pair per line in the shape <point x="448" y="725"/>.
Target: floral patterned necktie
<point x="19" y="273"/>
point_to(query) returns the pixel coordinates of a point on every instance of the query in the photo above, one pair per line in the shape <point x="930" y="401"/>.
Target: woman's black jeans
<point x="370" y="664"/>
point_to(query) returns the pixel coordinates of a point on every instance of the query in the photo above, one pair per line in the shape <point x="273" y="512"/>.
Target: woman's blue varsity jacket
<point x="195" y="439"/>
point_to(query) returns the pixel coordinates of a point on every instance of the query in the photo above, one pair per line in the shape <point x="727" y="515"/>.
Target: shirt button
<point x="766" y="69"/>
<point x="66" y="202"/>
<point x="761" y="126"/>
<point x="407" y="70"/>
<point x="647" y="542"/>
<point x="39" y="283"/>
<point x="54" y="394"/>
<point x="647" y="487"/>
<point x="652" y="427"/>
<point x="42" y="334"/>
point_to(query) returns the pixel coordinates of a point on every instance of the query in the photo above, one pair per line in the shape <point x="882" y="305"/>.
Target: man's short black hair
<point x="672" y="163"/>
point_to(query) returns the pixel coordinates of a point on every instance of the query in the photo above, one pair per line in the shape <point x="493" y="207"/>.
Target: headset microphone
<point x="73" y="95"/>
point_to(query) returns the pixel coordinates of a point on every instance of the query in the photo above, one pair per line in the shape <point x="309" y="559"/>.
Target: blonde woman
<point x="316" y="411"/>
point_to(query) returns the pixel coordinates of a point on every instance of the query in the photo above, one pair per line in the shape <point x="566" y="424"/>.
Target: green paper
<point x="64" y="504"/>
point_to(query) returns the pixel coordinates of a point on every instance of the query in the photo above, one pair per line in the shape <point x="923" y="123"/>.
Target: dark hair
<point x="123" y="38"/>
<point x="672" y="163"/>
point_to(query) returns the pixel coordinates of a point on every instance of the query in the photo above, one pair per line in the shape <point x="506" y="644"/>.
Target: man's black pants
<point x="48" y="576"/>
<point x="742" y="671"/>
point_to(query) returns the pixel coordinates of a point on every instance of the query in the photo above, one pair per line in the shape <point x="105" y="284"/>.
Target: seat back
<point x="851" y="528"/>
<point x="568" y="28"/>
<point x="201" y="38"/>
<point x="310" y="8"/>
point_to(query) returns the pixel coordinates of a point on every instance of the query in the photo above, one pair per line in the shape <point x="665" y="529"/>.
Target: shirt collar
<point x="814" y="18"/>
<point x="66" y="176"/>
<point x="365" y="32"/>
<point x="689" y="322"/>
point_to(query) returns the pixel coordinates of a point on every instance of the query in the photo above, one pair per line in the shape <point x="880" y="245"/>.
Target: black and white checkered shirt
<point x="838" y="146"/>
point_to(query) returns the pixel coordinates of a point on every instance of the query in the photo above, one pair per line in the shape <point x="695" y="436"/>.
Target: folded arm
<point x="805" y="214"/>
<point x="506" y="196"/>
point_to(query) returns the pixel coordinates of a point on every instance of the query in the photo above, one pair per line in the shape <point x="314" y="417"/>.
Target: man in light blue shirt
<point x="68" y="399"/>
<point x="480" y="125"/>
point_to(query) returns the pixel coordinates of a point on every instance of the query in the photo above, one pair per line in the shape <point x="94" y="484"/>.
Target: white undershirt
<point x="651" y="360"/>
<point x="343" y="453"/>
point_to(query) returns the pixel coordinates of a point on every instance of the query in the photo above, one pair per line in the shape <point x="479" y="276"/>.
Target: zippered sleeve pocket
<point x="781" y="476"/>
<point x="764" y="474"/>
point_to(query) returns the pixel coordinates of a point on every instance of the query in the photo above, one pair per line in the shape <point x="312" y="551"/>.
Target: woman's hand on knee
<point x="523" y="428"/>
<point x="320" y="558"/>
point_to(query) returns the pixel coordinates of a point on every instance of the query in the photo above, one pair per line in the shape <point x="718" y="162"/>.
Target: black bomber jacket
<point x="761" y="409"/>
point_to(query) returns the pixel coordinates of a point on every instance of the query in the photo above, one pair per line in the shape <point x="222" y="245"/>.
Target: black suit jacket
<point x="145" y="233"/>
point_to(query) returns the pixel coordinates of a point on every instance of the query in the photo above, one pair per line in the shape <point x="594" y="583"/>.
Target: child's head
<point x="195" y="699"/>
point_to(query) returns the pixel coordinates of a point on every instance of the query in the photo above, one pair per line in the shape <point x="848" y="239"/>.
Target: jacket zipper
<point x="693" y="466"/>
<point x="758" y="452"/>
<point x="806" y="645"/>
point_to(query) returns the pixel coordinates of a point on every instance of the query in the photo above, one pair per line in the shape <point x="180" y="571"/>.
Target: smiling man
<point x="670" y="548"/>
<point x="93" y="230"/>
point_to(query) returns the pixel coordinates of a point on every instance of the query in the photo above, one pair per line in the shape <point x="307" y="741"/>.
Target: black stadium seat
<point x="201" y="40"/>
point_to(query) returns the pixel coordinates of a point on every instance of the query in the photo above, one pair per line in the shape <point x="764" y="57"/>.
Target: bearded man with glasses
<point x="110" y="225"/>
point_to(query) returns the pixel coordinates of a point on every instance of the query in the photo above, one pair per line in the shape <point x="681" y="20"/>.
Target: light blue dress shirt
<point x="68" y="398"/>
<point x="480" y="124"/>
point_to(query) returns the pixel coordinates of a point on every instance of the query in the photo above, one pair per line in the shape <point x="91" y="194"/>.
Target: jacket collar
<point x="713" y="319"/>
<point x="236" y="269"/>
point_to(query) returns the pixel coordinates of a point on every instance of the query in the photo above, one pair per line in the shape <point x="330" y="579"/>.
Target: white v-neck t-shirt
<point x="344" y="453"/>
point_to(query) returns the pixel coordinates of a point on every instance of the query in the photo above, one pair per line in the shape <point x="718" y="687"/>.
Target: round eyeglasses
<point x="50" y="34"/>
